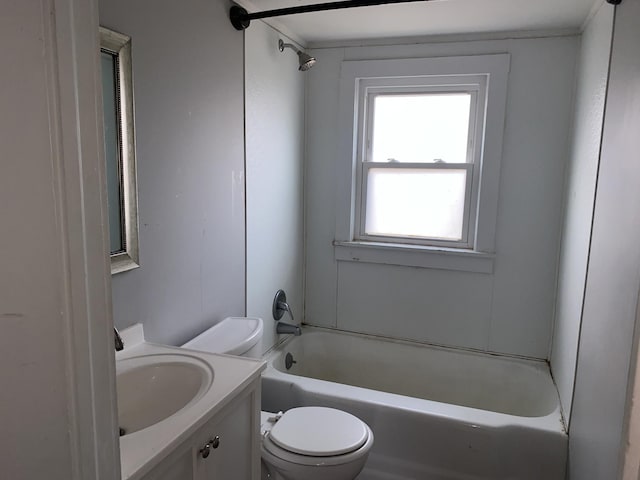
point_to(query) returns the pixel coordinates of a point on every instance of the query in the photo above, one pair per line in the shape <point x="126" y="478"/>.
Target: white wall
<point x="579" y="197"/>
<point x="631" y="468"/>
<point x="507" y="311"/>
<point x="274" y="169"/>
<point x="597" y="430"/>
<point x="57" y="414"/>
<point x="188" y="92"/>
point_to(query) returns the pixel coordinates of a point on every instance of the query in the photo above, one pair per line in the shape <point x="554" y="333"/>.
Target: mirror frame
<point x="119" y="45"/>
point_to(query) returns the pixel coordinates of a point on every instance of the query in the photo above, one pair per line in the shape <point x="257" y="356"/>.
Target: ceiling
<point x="435" y="17"/>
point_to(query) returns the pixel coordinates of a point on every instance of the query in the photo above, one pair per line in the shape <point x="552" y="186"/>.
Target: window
<point x="425" y="138"/>
<point x="415" y="173"/>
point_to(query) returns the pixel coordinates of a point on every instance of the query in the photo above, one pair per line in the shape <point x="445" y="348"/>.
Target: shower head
<point x="305" y="61"/>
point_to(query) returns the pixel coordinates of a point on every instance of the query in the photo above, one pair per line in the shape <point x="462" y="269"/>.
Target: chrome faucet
<point x="118" y="340"/>
<point x="283" y="306"/>
<point x="280" y="306"/>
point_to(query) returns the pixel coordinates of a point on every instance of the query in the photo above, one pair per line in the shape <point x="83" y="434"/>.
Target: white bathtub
<point x="437" y="413"/>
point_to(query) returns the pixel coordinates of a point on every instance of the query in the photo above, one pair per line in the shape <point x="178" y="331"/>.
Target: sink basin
<point x="152" y="388"/>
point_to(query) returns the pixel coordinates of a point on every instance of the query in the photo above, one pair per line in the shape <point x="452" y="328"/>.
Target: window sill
<point x="414" y="256"/>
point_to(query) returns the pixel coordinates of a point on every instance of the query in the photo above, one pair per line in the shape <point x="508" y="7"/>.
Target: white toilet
<point x="314" y="443"/>
<point x="233" y="336"/>
<point x="305" y="443"/>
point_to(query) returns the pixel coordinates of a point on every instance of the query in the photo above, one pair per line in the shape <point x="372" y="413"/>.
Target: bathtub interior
<point x="493" y="383"/>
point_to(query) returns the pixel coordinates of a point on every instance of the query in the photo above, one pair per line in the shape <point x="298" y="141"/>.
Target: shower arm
<point x="241" y="19"/>
<point x="282" y="46"/>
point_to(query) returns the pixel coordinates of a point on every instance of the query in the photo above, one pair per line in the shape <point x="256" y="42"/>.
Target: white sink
<point x="165" y="394"/>
<point x="152" y="388"/>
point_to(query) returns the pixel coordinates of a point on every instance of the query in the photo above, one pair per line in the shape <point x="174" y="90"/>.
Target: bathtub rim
<point x="470" y="416"/>
<point x="404" y="341"/>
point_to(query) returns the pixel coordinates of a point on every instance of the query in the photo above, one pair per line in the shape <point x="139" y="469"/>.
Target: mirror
<point x="119" y="145"/>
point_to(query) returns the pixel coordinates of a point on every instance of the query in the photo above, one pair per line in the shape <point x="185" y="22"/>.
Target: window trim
<point x="414" y="256"/>
<point x="353" y="75"/>
<point x="367" y="90"/>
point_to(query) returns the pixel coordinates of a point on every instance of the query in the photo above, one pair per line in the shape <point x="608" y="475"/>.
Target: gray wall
<point x="275" y="145"/>
<point x="510" y="310"/>
<point x="580" y="190"/>
<point x="187" y="70"/>
<point x="613" y="279"/>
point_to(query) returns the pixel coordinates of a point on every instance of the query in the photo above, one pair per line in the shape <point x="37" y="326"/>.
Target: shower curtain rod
<point x="241" y="19"/>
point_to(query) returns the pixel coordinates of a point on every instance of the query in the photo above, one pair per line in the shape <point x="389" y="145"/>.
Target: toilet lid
<point x="319" y="431"/>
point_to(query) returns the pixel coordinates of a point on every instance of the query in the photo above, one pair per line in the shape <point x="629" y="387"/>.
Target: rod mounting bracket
<point x="239" y="17"/>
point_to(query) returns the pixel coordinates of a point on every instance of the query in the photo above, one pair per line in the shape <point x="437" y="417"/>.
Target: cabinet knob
<point x="213" y="443"/>
<point x="206" y="450"/>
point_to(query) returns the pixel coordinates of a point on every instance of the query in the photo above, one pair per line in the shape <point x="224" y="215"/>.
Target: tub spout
<point x="288" y="329"/>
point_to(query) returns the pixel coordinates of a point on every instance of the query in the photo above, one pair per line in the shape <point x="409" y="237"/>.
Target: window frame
<point x="354" y="75"/>
<point x="368" y="90"/>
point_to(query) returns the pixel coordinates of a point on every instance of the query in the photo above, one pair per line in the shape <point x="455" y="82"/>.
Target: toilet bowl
<point x="313" y="443"/>
<point x="305" y="443"/>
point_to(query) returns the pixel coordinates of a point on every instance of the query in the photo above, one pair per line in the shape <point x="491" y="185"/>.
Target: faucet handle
<point x="280" y="306"/>
<point x="119" y="344"/>
<point x="284" y="307"/>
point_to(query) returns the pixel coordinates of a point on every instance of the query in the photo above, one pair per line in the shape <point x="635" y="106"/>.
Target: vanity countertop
<point x="140" y="451"/>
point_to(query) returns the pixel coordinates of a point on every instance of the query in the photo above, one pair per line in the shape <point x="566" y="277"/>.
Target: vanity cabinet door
<point x="233" y="455"/>
<point x="179" y="468"/>
<point x="228" y="447"/>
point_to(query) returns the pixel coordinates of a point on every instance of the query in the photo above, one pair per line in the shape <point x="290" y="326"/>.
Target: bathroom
<point x="236" y="181"/>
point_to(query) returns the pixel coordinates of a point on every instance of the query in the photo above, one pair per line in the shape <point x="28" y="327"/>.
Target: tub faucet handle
<point x="285" y="307"/>
<point x="280" y="306"/>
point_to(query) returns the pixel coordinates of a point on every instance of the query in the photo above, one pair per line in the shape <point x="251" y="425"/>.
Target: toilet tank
<point x="232" y="336"/>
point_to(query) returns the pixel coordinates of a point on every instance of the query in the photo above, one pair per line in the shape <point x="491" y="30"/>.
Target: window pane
<point x="421" y="127"/>
<point x="425" y="203"/>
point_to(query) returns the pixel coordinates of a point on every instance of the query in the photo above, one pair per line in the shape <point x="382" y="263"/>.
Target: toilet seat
<point x="357" y="444"/>
<point x="319" y="432"/>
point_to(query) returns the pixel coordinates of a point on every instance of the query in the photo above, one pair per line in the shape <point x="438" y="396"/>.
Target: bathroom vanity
<point x="186" y="414"/>
<point x="225" y="447"/>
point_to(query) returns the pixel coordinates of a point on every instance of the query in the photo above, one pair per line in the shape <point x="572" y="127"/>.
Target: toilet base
<point x="265" y="472"/>
<point x="279" y="470"/>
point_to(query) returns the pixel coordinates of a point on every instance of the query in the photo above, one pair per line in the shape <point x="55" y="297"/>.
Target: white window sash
<point x="464" y="242"/>
<point x="369" y="89"/>
<point x="472" y="90"/>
